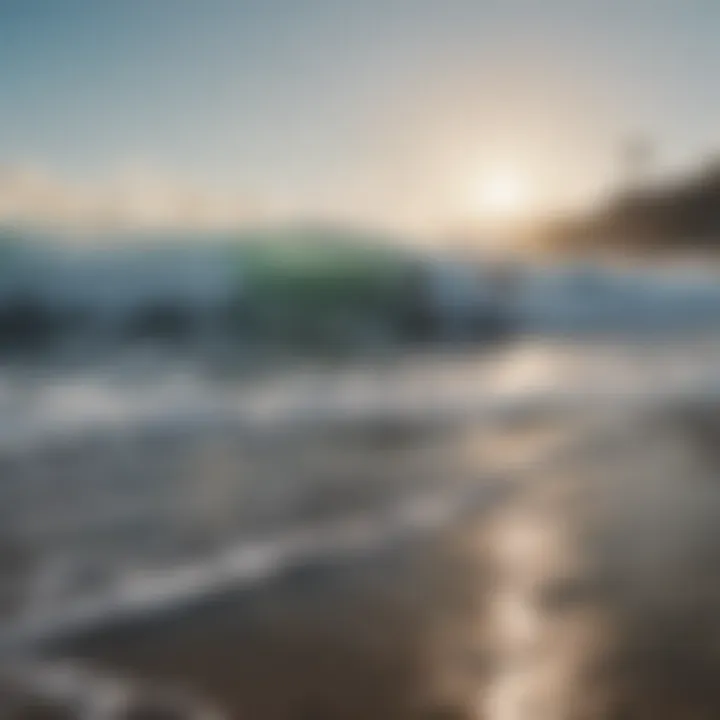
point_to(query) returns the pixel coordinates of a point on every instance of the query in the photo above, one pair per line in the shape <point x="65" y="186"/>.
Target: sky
<point x="396" y="112"/>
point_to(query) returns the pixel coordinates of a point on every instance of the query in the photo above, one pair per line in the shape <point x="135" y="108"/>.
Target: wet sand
<point x="590" y="589"/>
<point x="355" y="639"/>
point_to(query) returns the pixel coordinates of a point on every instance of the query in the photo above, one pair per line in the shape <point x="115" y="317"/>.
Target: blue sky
<point x="372" y="107"/>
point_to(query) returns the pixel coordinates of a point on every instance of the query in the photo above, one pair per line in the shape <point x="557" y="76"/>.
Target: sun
<point x="501" y="195"/>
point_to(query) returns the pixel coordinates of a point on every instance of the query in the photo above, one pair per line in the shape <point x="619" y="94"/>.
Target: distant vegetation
<point x="680" y="216"/>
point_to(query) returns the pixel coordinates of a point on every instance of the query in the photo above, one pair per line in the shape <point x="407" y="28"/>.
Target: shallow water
<point x="434" y="536"/>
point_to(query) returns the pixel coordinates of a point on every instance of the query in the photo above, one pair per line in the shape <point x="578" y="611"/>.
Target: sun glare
<point x="501" y="195"/>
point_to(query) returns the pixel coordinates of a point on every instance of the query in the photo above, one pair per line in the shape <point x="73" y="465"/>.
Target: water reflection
<point x="550" y="558"/>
